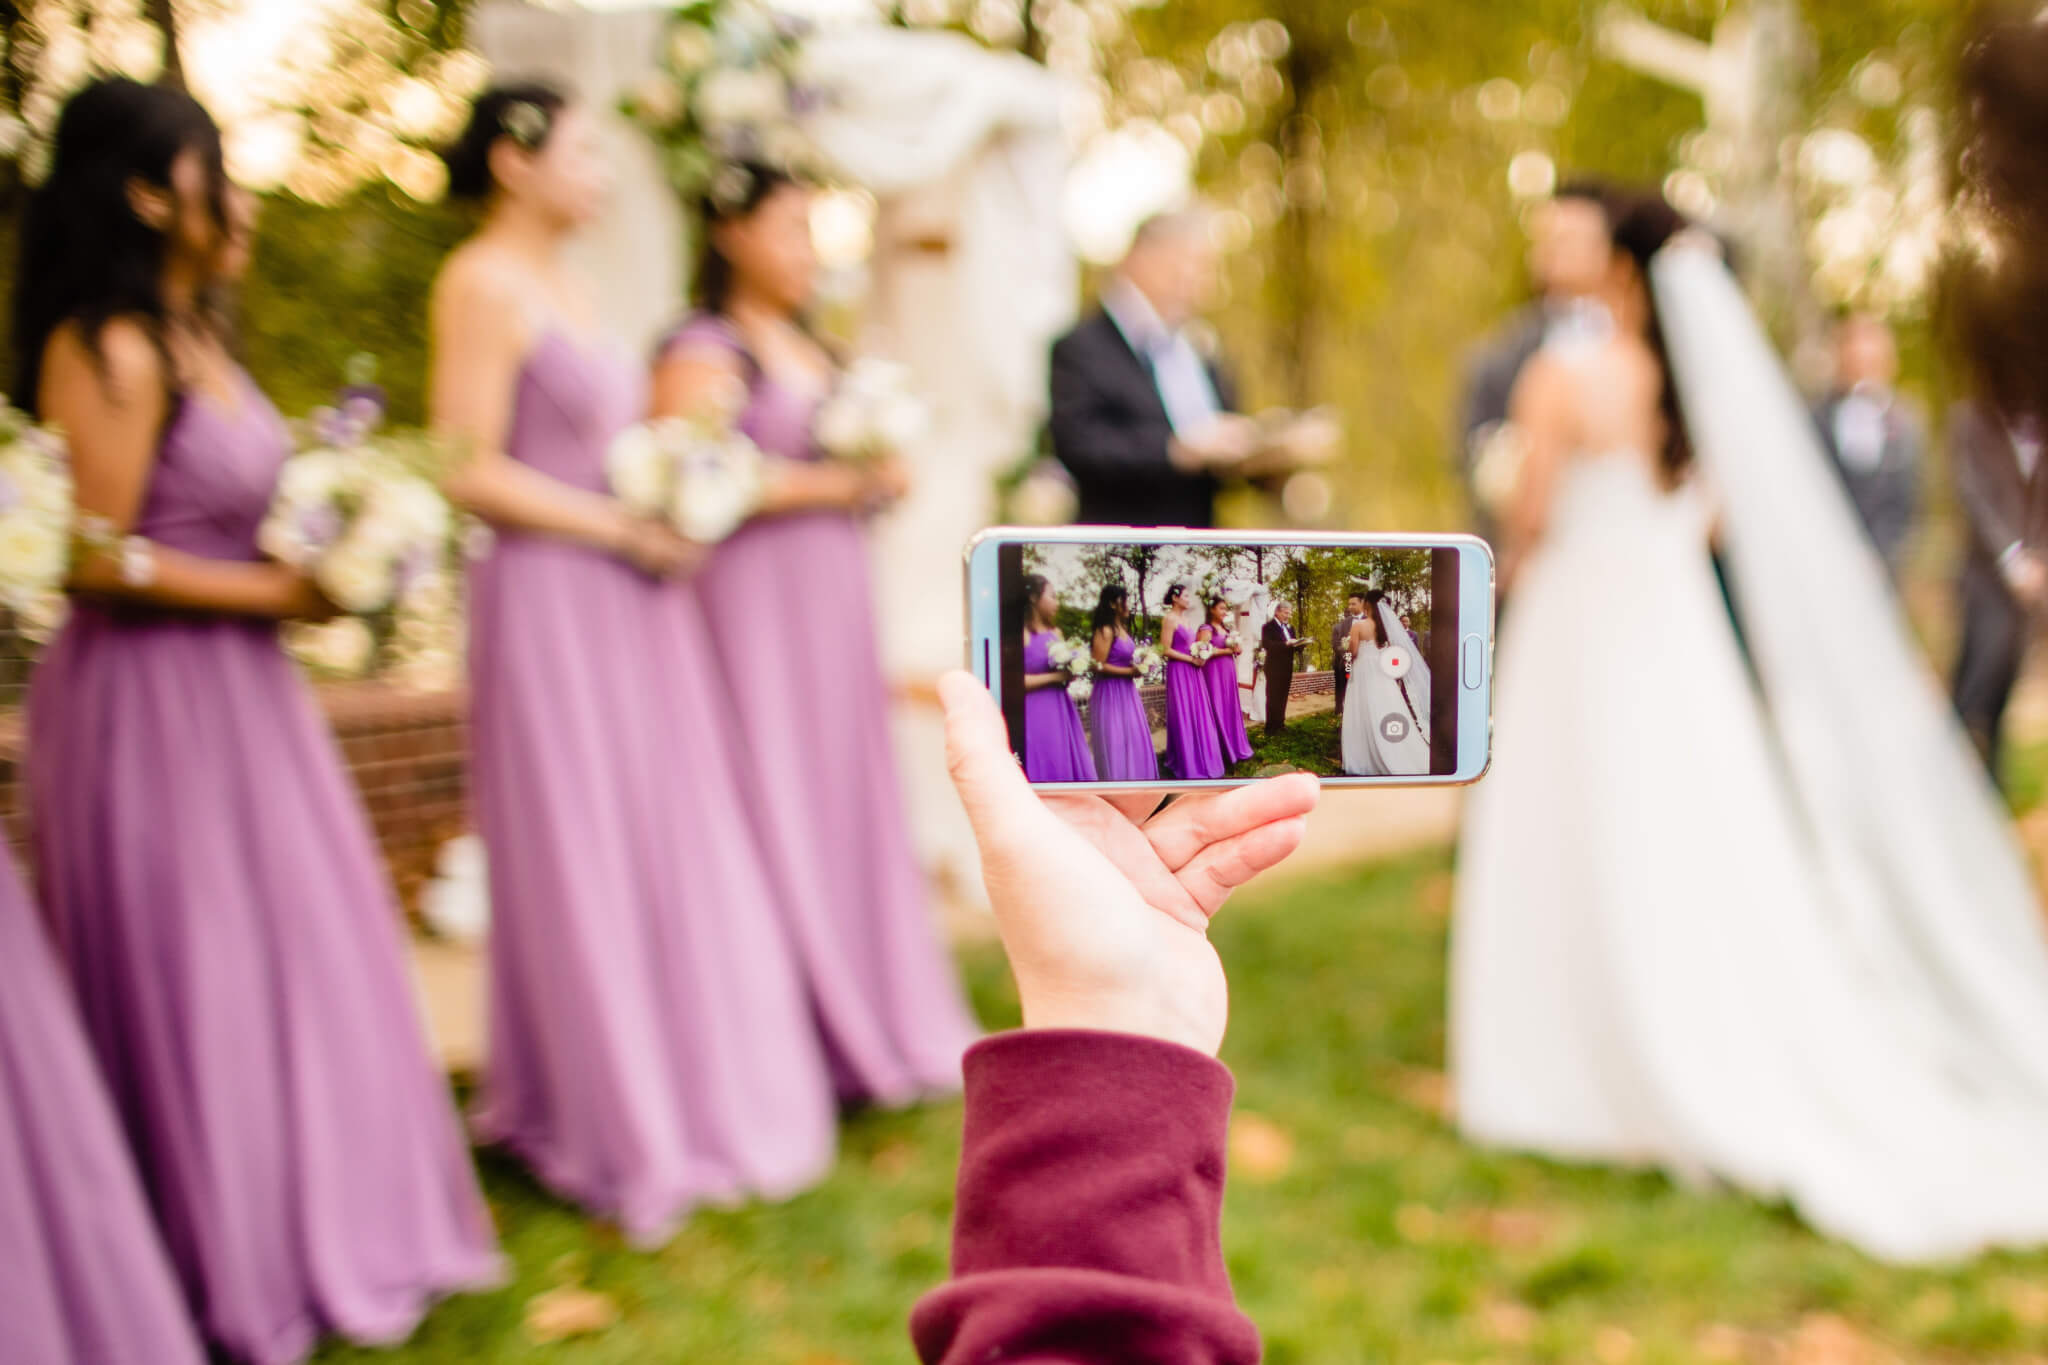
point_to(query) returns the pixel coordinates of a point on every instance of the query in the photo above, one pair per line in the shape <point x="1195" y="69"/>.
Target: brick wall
<point x="405" y="751"/>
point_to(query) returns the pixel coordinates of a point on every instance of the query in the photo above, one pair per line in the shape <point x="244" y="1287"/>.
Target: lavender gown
<point x="1220" y="675"/>
<point x="1055" y="744"/>
<point x="1194" y="746"/>
<point x="650" y="1045"/>
<point x="792" y="633"/>
<point x="83" y="1276"/>
<point x="214" y="890"/>
<point x="1119" y="731"/>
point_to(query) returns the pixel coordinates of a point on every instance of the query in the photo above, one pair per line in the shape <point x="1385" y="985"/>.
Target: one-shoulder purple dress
<point x="1119" y="732"/>
<point x="1055" y="744"/>
<point x="792" y="634"/>
<point x="650" y="1046"/>
<point x="214" y="890"/>
<point x="86" y="1278"/>
<point x="1220" y="673"/>
<point x="1194" y="744"/>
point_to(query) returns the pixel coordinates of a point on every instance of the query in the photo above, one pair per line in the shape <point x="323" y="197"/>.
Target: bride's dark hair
<point x="1995" y="297"/>
<point x="1642" y="225"/>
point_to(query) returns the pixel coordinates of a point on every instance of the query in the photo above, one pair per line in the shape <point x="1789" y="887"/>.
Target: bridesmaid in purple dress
<point x="204" y="859"/>
<point x="87" y="1281"/>
<point x="1194" y="744"/>
<point x="1055" y="744"/>
<point x="650" y="1044"/>
<point x="805" y="700"/>
<point x="1120" y="733"/>
<point x="1220" y="676"/>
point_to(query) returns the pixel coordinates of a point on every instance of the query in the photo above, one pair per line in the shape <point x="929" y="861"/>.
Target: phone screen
<point x="1140" y="661"/>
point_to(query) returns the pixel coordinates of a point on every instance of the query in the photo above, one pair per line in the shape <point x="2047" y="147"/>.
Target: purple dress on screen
<point x="800" y="689"/>
<point x="1220" y="674"/>
<point x="1119" y="731"/>
<point x="1055" y="745"/>
<point x="1194" y="746"/>
<point x="650" y="1044"/>
<point x="214" y="889"/>
<point x="85" y="1275"/>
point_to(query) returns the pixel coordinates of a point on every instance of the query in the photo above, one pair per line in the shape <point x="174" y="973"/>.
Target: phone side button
<point x="1472" y="663"/>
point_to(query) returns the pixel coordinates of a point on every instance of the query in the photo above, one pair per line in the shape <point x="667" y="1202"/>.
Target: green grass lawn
<point x="1358" y="1228"/>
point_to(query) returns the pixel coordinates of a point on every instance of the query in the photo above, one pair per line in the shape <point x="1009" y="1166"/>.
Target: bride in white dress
<point x="1385" y="728"/>
<point x="1789" y="946"/>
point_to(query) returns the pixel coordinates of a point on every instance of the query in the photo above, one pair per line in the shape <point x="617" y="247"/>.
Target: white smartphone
<point x="1183" y="660"/>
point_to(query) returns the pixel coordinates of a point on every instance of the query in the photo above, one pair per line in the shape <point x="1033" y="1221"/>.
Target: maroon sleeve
<point x="1090" y="1201"/>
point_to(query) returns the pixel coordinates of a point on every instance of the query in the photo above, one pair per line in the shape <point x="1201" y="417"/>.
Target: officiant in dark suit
<point x="1142" y="420"/>
<point x="1875" y="438"/>
<point x="1281" y="646"/>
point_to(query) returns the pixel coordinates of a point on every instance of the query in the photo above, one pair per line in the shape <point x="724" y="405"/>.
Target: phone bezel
<point x="1475" y="618"/>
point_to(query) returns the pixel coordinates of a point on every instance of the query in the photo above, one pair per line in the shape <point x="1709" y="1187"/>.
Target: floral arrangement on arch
<point x="728" y="90"/>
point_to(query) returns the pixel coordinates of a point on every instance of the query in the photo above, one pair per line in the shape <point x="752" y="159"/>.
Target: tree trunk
<point x="165" y="17"/>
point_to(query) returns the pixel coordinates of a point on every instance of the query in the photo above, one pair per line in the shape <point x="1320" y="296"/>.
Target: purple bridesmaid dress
<point x="1055" y="744"/>
<point x="1220" y="674"/>
<point x="650" y="1045"/>
<point x="1194" y="746"/>
<point x="1118" y="727"/>
<point x="85" y="1278"/>
<point x="792" y="635"/>
<point x="213" y="887"/>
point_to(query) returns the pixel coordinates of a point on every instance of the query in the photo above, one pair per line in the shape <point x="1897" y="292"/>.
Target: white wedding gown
<point x="1372" y="699"/>
<point x="1691" y="934"/>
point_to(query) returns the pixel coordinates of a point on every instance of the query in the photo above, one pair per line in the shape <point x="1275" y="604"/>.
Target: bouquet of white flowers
<point x="358" y="521"/>
<point x="1151" y="665"/>
<point x="705" y="478"/>
<point x="872" y="413"/>
<point x="35" y="516"/>
<point x="1203" y="651"/>
<point x="1080" y="689"/>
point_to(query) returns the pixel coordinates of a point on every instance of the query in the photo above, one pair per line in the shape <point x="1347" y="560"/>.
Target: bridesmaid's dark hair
<point x="525" y="111"/>
<point x="711" y="292"/>
<point x="1993" y="300"/>
<point x="1114" y="597"/>
<point x="85" y="257"/>
<point x="1173" y="592"/>
<point x="1029" y="589"/>
<point x="1643" y="224"/>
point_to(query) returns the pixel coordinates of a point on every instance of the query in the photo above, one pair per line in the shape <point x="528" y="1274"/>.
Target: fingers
<point x="1184" y="829"/>
<point x="1211" y="875"/>
<point x="985" y="773"/>
<point x="1133" y="806"/>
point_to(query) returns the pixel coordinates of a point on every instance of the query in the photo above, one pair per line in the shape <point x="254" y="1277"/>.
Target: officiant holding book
<point x="1143" y="420"/>
<point x="1282" y="648"/>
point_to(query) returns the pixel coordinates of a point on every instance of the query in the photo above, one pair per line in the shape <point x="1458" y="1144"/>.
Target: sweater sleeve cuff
<point x="1093" y="1151"/>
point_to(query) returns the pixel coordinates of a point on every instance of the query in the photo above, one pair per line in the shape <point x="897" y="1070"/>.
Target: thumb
<point x="991" y="784"/>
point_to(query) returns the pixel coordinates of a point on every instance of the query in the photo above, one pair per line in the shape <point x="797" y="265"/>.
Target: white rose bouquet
<point x="360" y="523"/>
<point x="35" y="516"/>
<point x="1203" y="651"/>
<point x="705" y="478"/>
<point x="1151" y="665"/>
<point x="872" y="413"/>
<point x="1081" y="689"/>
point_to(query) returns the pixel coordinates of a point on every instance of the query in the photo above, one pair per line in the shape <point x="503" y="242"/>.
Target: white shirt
<point x="1177" y="369"/>
<point x="1860" y="428"/>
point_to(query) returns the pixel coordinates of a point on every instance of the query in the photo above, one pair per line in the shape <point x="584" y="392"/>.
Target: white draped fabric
<point x="971" y="279"/>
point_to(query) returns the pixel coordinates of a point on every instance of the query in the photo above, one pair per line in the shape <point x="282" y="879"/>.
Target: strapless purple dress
<point x="1220" y="673"/>
<point x="214" y="889"/>
<point x="1118" y="730"/>
<point x="650" y="1044"/>
<point x="791" y="619"/>
<point x="87" y="1281"/>
<point x="1194" y="744"/>
<point x="1055" y="744"/>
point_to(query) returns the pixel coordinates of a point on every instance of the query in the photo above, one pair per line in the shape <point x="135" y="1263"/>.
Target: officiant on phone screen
<point x="1141" y="418"/>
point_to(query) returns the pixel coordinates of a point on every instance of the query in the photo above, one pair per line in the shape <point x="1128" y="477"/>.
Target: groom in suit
<point x="1340" y="646"/>
<point x="1874" y="438"/>
<point x="1280" y="643"/>
<point x="2005" y="579"/>
<point x="1140" y="418"/>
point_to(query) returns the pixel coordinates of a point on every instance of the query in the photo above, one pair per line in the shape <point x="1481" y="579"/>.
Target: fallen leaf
<point x="568" y="1311"/>
<point x="1825" y="1339"/>
<point x="1434" y="899"/>
<point x="1614" y="1346"/>
<point x="1429" y="1091"/>
<point x="1508" y="1322"/>
<point x="1510" y="1229"/>
<point x="893" y="1159"/>
<point x="1260" y="1150"/>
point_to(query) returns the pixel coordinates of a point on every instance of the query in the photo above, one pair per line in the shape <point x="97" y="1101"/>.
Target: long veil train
<point x="1932" y="894"/>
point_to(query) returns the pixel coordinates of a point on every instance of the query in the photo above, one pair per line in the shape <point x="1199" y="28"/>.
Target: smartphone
<point x="1184" y="660"/>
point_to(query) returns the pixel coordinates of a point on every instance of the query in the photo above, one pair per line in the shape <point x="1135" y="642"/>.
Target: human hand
<point x="656" y="549"/>
<point x="2027" y="576"/>
<point x="1104" y="904"/>
<point x="302" y="599"/>
<point x="1225" y="440"/>
<point x="885" y="481"/>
